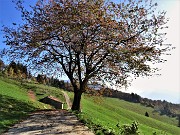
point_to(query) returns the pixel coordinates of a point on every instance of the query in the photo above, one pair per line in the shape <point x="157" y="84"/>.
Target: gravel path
<point x="50" y="123"/>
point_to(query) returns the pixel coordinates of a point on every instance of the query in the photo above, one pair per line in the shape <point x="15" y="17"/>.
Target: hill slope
<point x="15" y="103"/>
<point x="108" y="112"/>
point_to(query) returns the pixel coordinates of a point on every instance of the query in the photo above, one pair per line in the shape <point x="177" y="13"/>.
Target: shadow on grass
<point x="12" y="110"/>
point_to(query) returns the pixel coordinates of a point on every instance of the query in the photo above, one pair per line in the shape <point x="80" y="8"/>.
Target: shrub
<point x="129" y="129"/>
<point x="146" y="114"/>
<point x="97" y="128"/>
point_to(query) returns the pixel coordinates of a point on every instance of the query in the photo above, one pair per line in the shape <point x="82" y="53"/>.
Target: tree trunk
<point x="77" y="100"/>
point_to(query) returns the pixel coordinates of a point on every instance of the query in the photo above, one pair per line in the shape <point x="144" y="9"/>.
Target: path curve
<point x="68" y="101"/>
<point x="50" y="123"/>
<point x="32" y="95"/>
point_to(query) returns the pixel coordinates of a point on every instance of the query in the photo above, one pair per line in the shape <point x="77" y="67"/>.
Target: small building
<point x="56" y="103"/>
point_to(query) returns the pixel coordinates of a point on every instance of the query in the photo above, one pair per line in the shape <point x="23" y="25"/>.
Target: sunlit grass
<point x="108" y="112"/>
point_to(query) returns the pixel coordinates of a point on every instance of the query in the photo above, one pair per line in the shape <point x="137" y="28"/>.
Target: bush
<point x="146" y="114"/>
<point x="97" y="128"/>
<point x="129" y="129"/>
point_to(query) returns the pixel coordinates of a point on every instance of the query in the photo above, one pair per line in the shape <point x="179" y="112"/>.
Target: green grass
<point x="107" y="112"/>
<point x="12" y="110"/>
<point x="15" y="103"/>
<point x="13" y="90"/>
<point x="44" y="90"/>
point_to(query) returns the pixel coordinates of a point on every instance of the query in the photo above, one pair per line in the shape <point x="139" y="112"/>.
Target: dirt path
<point x="31" y="95"/>
<point x="50" y="123"/>
<point x="68" y="101"/>
<point x="53" y="122"/>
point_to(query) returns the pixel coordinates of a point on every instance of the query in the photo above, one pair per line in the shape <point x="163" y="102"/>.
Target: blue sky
<point x="9" y="14"/>
<point x="164" y="87"/>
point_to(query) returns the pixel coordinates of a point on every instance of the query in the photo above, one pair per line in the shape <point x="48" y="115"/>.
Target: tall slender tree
<point x="179" y="120"/>
<point x="89" y="40"/>
<point x="2" y="65"/>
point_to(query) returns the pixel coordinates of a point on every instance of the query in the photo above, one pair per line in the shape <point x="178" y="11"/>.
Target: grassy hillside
<point x="15" y="103"/>
<point x="108" y="112"/>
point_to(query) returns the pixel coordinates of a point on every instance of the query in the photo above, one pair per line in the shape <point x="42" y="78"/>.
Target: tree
<point x="130" y="129"/>
<point x="40" y="78"/>
<point x="12" y="68"/>
<point x="11" y="72"/>
<point x="146" y="114"/>
<point x="2" y="65"/>
<point x="89" y="40"/>
<point x="179" y="120"/>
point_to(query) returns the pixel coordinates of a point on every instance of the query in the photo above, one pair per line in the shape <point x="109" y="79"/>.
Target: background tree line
<point x="20" y="71"/>
<point x="51" y="81"/>
<point x="14" y="70"/>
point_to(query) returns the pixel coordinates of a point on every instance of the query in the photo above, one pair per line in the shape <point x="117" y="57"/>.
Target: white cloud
<point x="167" y="85"/>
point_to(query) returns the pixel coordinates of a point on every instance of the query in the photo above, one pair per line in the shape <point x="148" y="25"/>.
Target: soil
<point x="32" y="95"/>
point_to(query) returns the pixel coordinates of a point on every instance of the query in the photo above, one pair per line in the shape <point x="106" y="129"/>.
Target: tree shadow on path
<point x="50" y="122"/>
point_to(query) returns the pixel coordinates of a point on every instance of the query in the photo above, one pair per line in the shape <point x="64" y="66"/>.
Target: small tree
<point x="11" y="72"/>
<point x="130" y="129"/>
<point x="89" y="40"/>
<point x="2" y="65"/>
<point x="5" y="72"/>
<point x="146" y="114"/>
<point x="179" y="120"/>
<point x="12" y="66"/>
<point x="19" y="74"/>
<point x="40" y="78"/>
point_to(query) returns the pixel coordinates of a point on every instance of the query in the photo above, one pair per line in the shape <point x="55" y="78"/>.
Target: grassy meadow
<point x="108" y="112"/>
